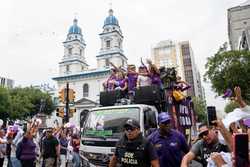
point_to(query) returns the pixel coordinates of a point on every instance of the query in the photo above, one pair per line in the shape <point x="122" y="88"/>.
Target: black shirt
<point x="49" y="147"/>
<point x="137" y="153"/>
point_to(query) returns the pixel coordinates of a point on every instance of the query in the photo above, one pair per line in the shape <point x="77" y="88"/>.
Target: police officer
<point x="133" y="150"/>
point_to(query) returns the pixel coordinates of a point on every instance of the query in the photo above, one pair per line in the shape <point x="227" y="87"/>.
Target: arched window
<point x="85" y="90"/>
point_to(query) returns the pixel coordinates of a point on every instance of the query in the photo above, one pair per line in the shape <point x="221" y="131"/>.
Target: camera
<point x="168" y="77"/>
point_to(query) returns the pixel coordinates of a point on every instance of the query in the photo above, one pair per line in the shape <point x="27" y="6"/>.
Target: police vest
<point x="132" y="154"/>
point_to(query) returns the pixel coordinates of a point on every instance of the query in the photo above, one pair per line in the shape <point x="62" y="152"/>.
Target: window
<point x="85" y="90"/>
<point x="67" y="68"/>
<point x="108" y="44"/>
<point x="83" y="117"/>
<point x="187" y="62"/>
<point x="106" y="62"/>
<point x="149" y="121"/>
<point x="123" y="63"/>
<point x="80" y="52"/>
<point x="70" y="51"/>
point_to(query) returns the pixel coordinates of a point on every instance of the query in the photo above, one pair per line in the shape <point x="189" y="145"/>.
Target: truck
<point x="103" y="127"/>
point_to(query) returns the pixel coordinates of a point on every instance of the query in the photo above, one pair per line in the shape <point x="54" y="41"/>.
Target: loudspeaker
<point x="109" y="98"/>
<point x="148" y="95"/>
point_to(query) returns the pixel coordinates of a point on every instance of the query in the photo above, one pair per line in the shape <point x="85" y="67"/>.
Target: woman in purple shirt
<point x="132" y="78"/>
<point x="154" y="74"/>
<point x="109" y="85"/>
<point x="26" y="151"/>
<point x="121" y="82"/>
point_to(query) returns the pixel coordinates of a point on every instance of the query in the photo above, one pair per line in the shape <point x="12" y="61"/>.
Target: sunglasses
<point x="205" y="133"/>
<point x="166" y="123"/>
<point x="130" y="128"/>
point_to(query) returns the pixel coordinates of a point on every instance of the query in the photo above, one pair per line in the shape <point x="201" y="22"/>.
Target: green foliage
<point x="5" y="102"/>
<point x="200" y="109"/>
<point x="24" y="102"/>
<point x="227" y="69"/>
<point x="231" y="106"/>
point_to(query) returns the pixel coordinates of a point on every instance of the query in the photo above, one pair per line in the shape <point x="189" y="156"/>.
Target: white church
<point x="74" y="68"/>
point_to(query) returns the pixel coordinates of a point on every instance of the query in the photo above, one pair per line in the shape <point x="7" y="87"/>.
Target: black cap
<point x="132" y="123"/>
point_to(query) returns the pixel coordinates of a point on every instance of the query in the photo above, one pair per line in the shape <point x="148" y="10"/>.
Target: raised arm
<point x="238" y="97"/>
<point x="116" y="68"/>
<point x="225" y="133"/>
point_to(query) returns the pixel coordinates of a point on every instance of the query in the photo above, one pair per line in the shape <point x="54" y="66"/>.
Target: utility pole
<point x="66" y="118"/>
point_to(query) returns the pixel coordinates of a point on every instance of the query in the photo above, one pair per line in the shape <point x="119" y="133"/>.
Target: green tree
<point x="227" y="69"/>
<point x="26" y="102"/>
<point x="5" y="102"/>
<point x="231" y="106"/>
<point x="200" y="109"/>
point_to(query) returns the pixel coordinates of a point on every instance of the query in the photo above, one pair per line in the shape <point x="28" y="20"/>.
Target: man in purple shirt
<point x="169" y="143"/>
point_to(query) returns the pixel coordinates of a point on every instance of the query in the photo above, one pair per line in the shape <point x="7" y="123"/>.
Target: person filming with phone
<point x="203" y="148"/>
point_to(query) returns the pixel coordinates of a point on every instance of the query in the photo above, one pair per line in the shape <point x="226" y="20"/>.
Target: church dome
<point x="111" y="20"/>
<point x="75" y="29"/>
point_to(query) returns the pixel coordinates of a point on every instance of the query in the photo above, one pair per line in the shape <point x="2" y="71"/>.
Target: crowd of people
<point x="166" y="147"/>
<point x="51" y="147"/>
<point x="127" y="81"/>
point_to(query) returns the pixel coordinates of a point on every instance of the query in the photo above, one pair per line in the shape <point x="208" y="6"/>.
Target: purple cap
<point x="15" y="128"/>
<point x="247" y="122"/>
<point x="163" y="117"/>
<point x="227" y="93"/>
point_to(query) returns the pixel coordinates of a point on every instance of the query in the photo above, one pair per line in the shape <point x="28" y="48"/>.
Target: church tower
<point x="73" y="60"/>
<point x="111" y="44"/>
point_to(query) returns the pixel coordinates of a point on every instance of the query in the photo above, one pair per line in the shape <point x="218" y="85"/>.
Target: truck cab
<point x="103" y="127"/>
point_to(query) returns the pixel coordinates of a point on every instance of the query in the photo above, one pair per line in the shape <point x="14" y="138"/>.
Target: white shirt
<point x="246" y="109"/>
<point x="2" y="147"/>
<point x="144" y="80"/>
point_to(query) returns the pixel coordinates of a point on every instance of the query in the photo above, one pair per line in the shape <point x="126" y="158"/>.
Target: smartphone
<point x="211" y="115"/>
<point x="240" y="150"/>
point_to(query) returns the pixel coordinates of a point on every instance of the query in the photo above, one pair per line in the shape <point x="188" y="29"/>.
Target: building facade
<point x="111" y="44"/>
<point x="191" y="72"/>
<point x="6" y="82"/>
<point x="239" y="26"/>
<point x="180" y="55"/>
<point x="74" y="69"/>
<point x="166" y="54"/>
